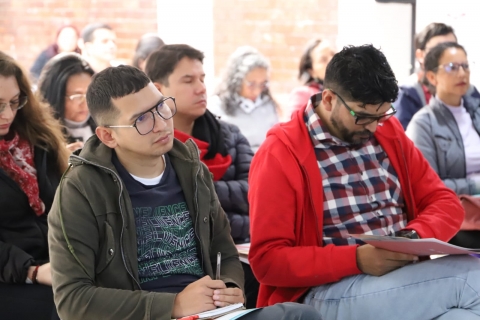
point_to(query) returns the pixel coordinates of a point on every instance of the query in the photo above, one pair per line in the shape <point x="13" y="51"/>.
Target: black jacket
<point x="232" y="189"/>
<point x="23" y="235"/>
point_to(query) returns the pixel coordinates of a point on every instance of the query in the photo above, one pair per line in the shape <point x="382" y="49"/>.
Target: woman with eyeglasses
<point x="32" y="159"/>
<point x="447" y="130"/>
<point x="63" y="85"/>
<point x="243" y="97"/>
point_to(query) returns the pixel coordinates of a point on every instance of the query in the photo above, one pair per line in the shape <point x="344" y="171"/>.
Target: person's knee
<point x="299" y="311"/>
<point x="463" y="263"/>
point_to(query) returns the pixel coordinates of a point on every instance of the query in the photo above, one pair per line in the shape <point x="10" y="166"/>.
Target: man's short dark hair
<point x="432" y="30"/>
<point x="87" y="32"/>
<point x="147" y="44"/>
<point x="112" y="83"/>
<point x="161" y="63"/>
<point x="362" y="74"/>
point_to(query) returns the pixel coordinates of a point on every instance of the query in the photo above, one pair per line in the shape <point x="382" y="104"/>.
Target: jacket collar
<point x="97" y="153"/>
<point x="445" y="117"/>
<point x="294" y="134"/>
<point x="295" y="137"/>
<point x="411" y="87"/>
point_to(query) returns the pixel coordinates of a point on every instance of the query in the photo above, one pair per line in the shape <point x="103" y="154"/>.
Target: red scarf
<point x="16" y="159"/>
<point x="217" y="166"/>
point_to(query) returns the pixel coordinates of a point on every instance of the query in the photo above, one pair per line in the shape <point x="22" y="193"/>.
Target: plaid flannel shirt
<point x="361" y="190"/>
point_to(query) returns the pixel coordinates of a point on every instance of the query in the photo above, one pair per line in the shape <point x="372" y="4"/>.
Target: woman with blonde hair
<point x="32" y="159"/>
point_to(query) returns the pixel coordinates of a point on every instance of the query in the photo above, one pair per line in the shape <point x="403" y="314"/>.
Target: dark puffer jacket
<point x="232" y="189"/>
<point x="23" y="235"/>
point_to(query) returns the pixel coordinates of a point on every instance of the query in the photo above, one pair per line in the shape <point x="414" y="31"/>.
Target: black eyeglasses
<point x="363" y="119"/>
<point x="15" y="105"/>
<point x="454" y="67"/>
<point x="165" y="108"/>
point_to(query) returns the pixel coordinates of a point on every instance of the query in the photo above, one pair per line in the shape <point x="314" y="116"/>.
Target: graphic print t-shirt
<point x="166" y="242"/>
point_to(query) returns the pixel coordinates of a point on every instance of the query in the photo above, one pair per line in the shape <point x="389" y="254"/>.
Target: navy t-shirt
<point x="166" y="242"/>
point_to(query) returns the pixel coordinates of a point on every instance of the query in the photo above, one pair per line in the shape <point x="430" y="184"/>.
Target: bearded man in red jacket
<point x="343" y="166"/>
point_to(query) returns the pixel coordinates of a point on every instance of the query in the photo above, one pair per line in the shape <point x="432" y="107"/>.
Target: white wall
<point x="464" y="17"/>
<point x="385" y="25"/>
<point x="189" y="22"/>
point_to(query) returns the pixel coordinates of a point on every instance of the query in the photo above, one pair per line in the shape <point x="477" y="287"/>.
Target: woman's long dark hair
<point x="52" y="85"/>
<point x="33" y="122"/>
<point x="305" y="64"/>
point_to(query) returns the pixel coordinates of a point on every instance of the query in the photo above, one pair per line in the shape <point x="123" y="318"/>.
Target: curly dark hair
<point x="362" y="73"/>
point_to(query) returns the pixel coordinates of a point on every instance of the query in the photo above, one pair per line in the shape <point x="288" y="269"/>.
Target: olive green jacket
<point x="93" y="243"/>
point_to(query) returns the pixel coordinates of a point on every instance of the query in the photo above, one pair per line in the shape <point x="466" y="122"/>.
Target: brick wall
<point x="279" y="29"/>
<point x="28" y="26"/>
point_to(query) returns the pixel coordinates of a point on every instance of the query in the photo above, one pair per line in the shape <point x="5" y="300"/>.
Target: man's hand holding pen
<point x="227" y="296"/>
<point x="205" y="294"/>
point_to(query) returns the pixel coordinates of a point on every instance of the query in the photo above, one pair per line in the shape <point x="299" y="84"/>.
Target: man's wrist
<point x="29" y="279"/>
<point x="407" y="233"/>
<point x="35" y="274"/>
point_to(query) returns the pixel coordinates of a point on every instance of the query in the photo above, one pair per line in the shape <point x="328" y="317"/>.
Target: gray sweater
<point x="254" y="125"/>
<point x="435" y="133"/>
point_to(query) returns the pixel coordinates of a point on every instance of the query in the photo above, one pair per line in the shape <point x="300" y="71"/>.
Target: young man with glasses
<point x="136" y="225"/>
<point x="344" y="166"/>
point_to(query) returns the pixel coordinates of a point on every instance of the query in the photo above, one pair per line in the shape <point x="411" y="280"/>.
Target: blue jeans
<point x="445" y="288"/>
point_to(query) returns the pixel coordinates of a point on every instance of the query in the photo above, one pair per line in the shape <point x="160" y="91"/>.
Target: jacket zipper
<point x="410" y="195"/>
<point x="195" y="201"/>
<point x="121" y="214"/>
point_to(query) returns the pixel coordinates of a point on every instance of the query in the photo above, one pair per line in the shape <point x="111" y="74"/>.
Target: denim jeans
<point x="445" y="288"/>
<point x="284" y="311"/>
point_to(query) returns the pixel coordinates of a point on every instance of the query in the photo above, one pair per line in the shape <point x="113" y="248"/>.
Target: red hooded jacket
<point x="286" y="209"/>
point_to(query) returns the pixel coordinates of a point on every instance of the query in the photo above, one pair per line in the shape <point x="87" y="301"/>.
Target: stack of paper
<point x="225" y="313"/>
<point x="419" y="247"/>
<point x="243" y="250"/>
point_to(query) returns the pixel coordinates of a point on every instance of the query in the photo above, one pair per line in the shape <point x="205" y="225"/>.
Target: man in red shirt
<point x="344" y="166"/>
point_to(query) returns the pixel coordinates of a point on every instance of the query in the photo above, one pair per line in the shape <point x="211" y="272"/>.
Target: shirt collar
<point x="317" y="130"/>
